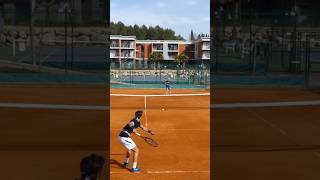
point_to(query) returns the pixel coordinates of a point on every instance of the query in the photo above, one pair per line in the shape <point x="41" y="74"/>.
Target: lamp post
<point x="216" y="38"/>
<point x="32" y="8"/>
<point x="1" y="24"/>
<point x="65" y="36"/>
<point x="293" y="50"/>
<point x="72" y="14"/>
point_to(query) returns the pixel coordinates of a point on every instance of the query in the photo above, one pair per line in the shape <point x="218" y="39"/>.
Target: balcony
<point x="157" y="47"/>
<point x="114" y="44"/>
<point x="173" y="47"/>
<point x="206" y="46"/>
<point x="206" y="55"/>
<point x="114" y="54"/>
<point x="172" y="55"/>
<point x="127" y="54"/>
<point x="127" y="44"/>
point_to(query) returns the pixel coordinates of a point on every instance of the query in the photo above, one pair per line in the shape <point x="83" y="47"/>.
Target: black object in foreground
<point x="91" y="167"/>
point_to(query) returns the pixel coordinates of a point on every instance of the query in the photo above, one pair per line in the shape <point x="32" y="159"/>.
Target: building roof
<point x="148" y="41"/>
<point x="122" y="37"/>
<point x="163" y="41"/>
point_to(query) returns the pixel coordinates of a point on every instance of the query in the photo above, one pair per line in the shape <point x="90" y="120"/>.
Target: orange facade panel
<point x="147" y="50"/>
<point x="182" y="48"/>
<point x="138" y="51"/>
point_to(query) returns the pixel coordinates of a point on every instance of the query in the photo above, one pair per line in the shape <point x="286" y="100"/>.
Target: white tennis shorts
<point x="127" y="142"/>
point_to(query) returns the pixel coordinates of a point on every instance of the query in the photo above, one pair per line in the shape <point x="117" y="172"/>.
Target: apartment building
<point x="129" y="48"/>
<point x="169" y="48"/>
<point x="202" y="47"/>
<point x="122" y="47"/>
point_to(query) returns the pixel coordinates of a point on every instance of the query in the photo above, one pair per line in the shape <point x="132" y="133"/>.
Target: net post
<point x="145" y="110"/>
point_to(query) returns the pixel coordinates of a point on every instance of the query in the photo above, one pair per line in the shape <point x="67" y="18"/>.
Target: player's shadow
<point x="116" y="164"/>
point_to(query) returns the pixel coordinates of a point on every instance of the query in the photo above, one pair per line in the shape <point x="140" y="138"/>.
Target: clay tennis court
<point x="45" y="131"/>
<point x="182" y="132"/>
<point x="265" y="133"/>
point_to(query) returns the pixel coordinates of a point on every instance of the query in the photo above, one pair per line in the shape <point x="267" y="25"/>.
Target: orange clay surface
<point x="265" y="143"/>
<point x="49" y="144"/>
<point x="182" y="132"/>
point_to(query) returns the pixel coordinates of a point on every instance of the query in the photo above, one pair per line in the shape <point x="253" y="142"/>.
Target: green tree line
<point x="143" y="32"/>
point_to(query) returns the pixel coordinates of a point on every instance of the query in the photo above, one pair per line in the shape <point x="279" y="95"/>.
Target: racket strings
<point x="150" y="141"/>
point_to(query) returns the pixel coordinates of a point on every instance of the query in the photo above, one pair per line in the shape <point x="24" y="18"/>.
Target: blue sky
<point x="179" y="15"/>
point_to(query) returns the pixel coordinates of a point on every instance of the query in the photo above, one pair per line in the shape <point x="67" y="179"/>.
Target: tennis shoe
<point x="125" y="164"/>
<point x="135" y="170"/>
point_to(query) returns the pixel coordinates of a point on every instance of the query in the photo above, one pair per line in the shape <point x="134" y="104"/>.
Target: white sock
<point x="126" y="160"/>
<point x="134" y="165"/>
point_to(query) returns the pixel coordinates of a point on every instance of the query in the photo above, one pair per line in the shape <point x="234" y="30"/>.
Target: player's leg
<point x="135" y="159"/>
<point x="127" y="158"/>
<point x="132" y="148"/>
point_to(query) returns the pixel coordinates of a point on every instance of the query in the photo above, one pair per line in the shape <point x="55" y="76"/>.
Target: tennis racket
<point x="150" y="141"/>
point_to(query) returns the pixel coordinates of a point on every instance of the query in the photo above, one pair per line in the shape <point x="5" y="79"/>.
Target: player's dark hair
<point x="91" y="166"/>
<point x="138" y="114"/>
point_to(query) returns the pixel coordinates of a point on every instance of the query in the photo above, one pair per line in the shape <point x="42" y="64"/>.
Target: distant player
<point x="168" y="87"/>
<point x="125" y="139"/>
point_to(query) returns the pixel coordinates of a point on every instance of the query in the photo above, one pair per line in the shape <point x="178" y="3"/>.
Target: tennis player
<point x="128" y="143"/>
<point x="168" y="87"/>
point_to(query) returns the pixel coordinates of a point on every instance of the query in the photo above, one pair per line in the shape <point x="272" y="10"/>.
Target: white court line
<point x="175" y="172"/>
<point x="23" y="58"/>
<point x="159" y="95"/>
<point x="270" y="124"/>
<point x="52" y="106"/>
<point x="266" y="104"/>
<point x="160" y="172"/>
<point x="277" y="128"/>
<point x="47" y="56"/>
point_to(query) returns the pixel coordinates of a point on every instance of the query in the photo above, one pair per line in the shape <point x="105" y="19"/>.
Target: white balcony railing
<point x="127" y="55"/>
<point x="113" y="55"/>
<point x="205" y="47"/>
<point x="205" y="56"/>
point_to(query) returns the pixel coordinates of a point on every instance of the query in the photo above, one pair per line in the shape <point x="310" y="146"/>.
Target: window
<point x="173" y="47"/>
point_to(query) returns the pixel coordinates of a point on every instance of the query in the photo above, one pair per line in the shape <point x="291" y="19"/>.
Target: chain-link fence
<point x="272" y="42"/>
<point x="194" y="74"/>
<point x="312" y="72"/>
<point x="55" y="42"/>
<point x="259" y="43"/>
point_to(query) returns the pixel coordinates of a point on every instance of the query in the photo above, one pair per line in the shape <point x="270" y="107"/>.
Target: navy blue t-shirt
<point x="128" y="129"/>
<point x="167" y="83"/>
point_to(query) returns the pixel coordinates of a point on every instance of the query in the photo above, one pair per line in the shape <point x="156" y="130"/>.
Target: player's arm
<point x="136" y="132"/>
<point x="146" y="129"/>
